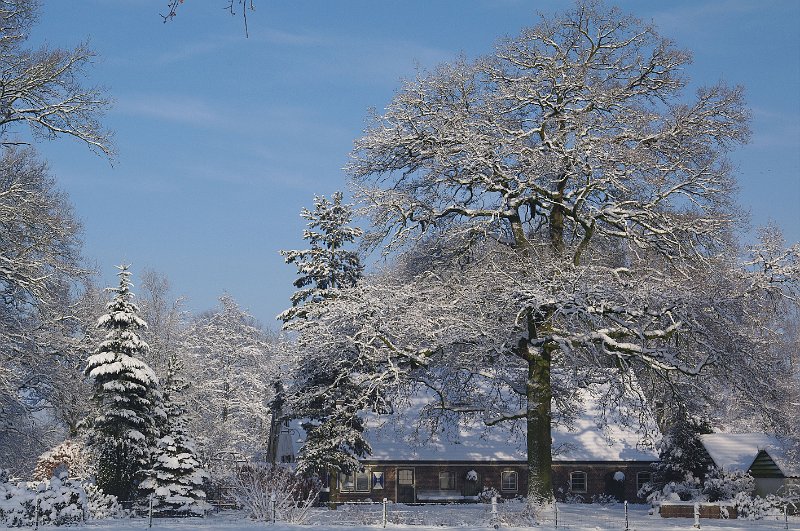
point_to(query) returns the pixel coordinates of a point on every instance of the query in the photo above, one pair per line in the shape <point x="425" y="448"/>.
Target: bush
<point x="69" y="454"/>
<point x="255" y="486"/>
<point x="721" y="485"/>
<point x="486" y="495"/>
<point x="60" y="501"/>
<point x="101" y="505"/>
<point x="756" y="507"/>
<point x="674" y="491"/>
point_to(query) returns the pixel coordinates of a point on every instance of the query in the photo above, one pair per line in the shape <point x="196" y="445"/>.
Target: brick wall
<point x="600" y="480"/>
<point x="426" y="479"/>
<point x="707" y="510"/>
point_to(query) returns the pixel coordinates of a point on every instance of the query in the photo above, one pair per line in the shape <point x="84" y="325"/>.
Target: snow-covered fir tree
<point x="176" y="477"/>
<point x="126" y="394"/>
<point x="682" y="456"/>
<point x="334" y="435"/>
<point x="327" y="264"/>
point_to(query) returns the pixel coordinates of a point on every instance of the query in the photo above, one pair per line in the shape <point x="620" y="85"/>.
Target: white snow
<point x="397" y="437"/>
<point x="737" y="451"/>
<point x="447" y="518"/>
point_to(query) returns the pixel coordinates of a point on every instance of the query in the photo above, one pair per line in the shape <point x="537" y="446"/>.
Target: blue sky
<point x="223" y="139"/>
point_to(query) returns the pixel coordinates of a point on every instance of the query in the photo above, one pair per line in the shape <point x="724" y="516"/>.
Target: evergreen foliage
<point x="334" y="434"/>
<point x="682" y="455"/>
<point x="126" y="394"/>
<point x="326" y="265"/>
<point x="176" y="478"/>
<point x="683" y="461"/>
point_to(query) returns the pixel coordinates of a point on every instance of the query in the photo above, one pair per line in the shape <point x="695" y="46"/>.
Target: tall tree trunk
<point x="539" y="423"/>
<point x="538" y="392"/>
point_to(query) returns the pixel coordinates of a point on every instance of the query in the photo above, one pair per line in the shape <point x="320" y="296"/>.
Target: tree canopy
<point x="550" y="209"/>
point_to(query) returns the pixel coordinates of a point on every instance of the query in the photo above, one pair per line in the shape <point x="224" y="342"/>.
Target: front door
<point x="472" y="484"/>
<point x="405" y="485"/>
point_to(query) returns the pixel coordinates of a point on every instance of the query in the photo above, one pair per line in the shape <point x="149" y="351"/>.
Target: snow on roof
<point x="399" y="437"/>
<point x="737" y="451"/>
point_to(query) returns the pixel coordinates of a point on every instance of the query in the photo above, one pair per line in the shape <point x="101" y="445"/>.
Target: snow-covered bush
<point x="70" y="454"/>
<point x="756" y="507"/>
<point x="571" y="497"/>
<point x="683" y="461"/>
<point x="257" y="485"/>
<point x="604" y="499"/>
<point x="101" y="505"/>
<point x="674" y="491"/>
<point x="60" y="501"/>
<point x="721" y="485"/>
<point x="790" y="497"/>
<point x="17" y="502"/>
<point x="486" y="495"/>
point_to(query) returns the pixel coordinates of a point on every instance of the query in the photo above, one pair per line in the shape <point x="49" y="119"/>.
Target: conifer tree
<point x="682" y="455"/>
<point x="327" y="264"/>
<point x="176" y="477"/>
<point x="126" y="394"/>
<point x="334" y="434"/>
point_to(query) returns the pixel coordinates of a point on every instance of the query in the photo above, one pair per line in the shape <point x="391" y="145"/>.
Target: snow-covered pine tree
<point x="327" y="264"/>
<point x="334" y="434"/>
<point x="682" y="456"/>
<point x="176" y="476"/>
<point x="126" y="392"/>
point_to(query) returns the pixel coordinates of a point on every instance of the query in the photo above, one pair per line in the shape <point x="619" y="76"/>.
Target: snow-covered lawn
<point x="440" y="518"/>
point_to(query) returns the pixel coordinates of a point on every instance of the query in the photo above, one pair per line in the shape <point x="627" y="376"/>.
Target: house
<point x="765" y="457"/>
<point x="418" y="458"/>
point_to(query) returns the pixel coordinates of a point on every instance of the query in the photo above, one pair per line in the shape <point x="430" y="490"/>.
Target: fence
<point x="609" y="517"/>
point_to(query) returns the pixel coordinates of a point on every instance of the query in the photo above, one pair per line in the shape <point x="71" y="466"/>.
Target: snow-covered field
<point x="460" y="517"/>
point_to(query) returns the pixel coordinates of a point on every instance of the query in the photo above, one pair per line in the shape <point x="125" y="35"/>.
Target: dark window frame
<point x="578" y="476"/>
<point x="450" y="477"/>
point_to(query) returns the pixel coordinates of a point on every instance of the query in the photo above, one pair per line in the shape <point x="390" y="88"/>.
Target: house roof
<point x="737" y="451"/>
<point x="598" y="432"/>
<point x="590" y="436"/>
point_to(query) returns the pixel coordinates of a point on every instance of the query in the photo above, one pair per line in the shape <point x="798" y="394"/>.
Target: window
<point x="447" y="481"/>
<point x="577" y="481"/>
<point x="641" y="479"/>
<point x="405" y="477"/>
<point x="358" y="482"/>
<point x="508" y="481"/>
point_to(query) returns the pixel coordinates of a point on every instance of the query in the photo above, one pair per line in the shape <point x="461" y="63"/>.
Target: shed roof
<point x="737" y="451"/>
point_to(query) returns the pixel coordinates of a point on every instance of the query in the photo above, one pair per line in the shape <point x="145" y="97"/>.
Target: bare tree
<point x="43" y="88"/>
<point x="231" y="6"/>
<point x="40" y="263"/>
<point x="231" y="356"/>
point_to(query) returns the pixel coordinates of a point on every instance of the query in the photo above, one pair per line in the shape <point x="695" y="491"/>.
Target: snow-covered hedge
<point x="721" y="485"/>
<point x="60" y="501"/>
<point x="57" y="501"/>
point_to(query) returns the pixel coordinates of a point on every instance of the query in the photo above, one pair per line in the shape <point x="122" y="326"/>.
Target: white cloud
<point x="178" y="109"/>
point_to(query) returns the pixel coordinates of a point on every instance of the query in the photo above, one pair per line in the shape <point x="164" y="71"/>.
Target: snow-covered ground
<point x="460" y="517"/>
